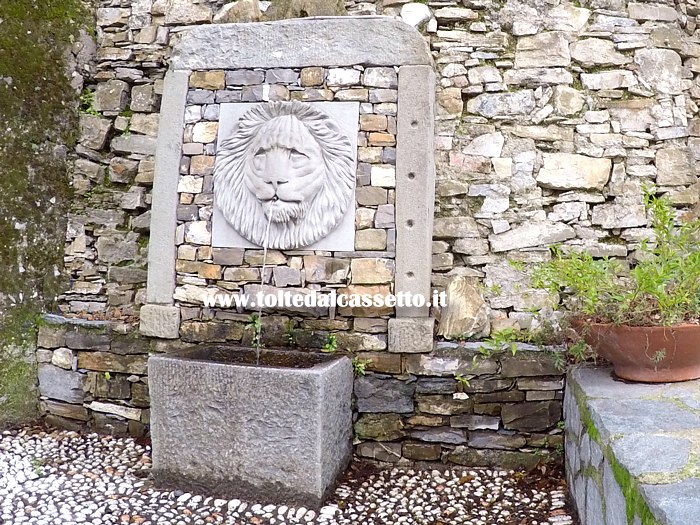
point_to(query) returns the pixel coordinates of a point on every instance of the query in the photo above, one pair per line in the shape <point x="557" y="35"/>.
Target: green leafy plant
<point x="289" y="334"/>
<point x="501" y="341"/>
<point x="463" y="381"/>
<point x="87" y="103"/>
<point x="359" y="366"/>
<point x="663" y="288"/>
<point x="331" y="345"/>
<point x="255" y="325"/>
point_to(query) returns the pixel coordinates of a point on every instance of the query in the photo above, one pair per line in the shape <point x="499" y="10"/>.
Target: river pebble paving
<point x="65" y="478"/>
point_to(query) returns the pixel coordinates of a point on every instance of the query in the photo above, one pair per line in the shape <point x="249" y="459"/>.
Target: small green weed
<point x="331" y="345"/>
<point x="359" y="366"/>
<point x="255" y="325"/>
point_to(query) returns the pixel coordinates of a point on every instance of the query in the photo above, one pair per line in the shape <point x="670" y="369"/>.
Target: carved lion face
<point x="286" y="169"/>
<point x="287" y="163"/>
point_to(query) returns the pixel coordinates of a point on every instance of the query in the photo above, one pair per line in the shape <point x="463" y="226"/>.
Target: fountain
<point x="235" y="421"/>
<point x="281" y="117"/>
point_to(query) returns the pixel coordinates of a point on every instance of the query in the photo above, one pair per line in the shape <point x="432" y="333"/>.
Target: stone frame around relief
<point x="371" y="41"/>
<point x="342" y="237"/>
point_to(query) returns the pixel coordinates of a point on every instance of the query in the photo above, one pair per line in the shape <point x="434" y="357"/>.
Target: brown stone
<point x="202" y="165"/>
<point x="140" y="396"/>
<point x="490" y="458"/>
<point x="466" y="313"/>
<point x="365" y="311"/>
<point x="320" y="269"/>
<point x="198" y="332"/>
<point x="208" y="80"/>
<point x="283" y="9"/>
<point x="371" y="196"/>
<point x="68" y="411"/>
<point x="51" y="336"/>
<point x="352" y="95"/>
<point x="381" y="139"/>
<point x="385" y="452"/>
<point x="529" y="365"/>
<point x="371" y="122"/>
<point x="421" y="451"/>
<point x="379" y="427"/>
<point x="382" y="362"/>
<point x="112" y="387"/>
<point x="423" y="420"/>
<point x="312" y="76"/>
<point x="510" y="396"/>
<point x="370" y="239"/>
<point x="372" y="271"/>
<point x="487" y="409"/>
<point x="108" y="362"/>
<point x="370" y="325"/>
<point x="496" y="440"/>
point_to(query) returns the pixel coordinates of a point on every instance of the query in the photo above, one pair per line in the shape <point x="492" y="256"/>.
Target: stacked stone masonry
<point x="92" y="375"/>
<point x="631" y="449"/>
<point x="551" y="118"/>
<point x="205" y="271"/>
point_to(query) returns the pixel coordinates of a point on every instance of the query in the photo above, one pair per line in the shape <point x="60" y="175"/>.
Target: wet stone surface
<point x="62" y="477"/>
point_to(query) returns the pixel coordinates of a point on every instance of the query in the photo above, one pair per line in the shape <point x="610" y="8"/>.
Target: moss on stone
<point x="18" y="396"/>
<point x="38" y="105"/>
<point x="635" y="504"/>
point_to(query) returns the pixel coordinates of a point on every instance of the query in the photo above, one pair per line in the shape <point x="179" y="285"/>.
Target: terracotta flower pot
<point x="651" y="354"/>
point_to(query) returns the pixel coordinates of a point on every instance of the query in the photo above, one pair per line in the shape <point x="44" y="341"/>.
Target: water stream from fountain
<point x="262" y="287"/>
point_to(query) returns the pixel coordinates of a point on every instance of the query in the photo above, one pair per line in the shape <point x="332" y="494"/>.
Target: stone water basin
<point x="222" y="425"/>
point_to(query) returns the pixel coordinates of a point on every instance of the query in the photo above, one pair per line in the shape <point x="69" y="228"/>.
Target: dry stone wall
<point x="551" y="118"/>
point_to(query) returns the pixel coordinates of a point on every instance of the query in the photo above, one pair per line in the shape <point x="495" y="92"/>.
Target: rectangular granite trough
<point x="221" y="425"/>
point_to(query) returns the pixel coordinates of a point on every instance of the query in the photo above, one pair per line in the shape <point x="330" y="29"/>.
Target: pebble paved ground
<point x="66" y="478"/>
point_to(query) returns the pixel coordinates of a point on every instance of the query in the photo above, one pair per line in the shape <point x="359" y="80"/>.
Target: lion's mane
<point x="243" y="210"/>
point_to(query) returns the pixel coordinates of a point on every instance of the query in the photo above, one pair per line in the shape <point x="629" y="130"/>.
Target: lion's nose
<point x="277" y="182"/>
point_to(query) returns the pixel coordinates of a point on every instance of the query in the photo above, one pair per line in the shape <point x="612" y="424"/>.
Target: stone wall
<point x="370" y="269"/>
<point x="93" y="375"/>
<point x="631" y="449"/>
<point x="550" y="119"/>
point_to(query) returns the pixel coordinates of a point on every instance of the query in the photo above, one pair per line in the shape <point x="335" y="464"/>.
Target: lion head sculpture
<point x="288" y="168"/>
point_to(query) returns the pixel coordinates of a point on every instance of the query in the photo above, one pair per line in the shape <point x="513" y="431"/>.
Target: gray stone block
<point x="79" y="339"/>
<point x="630" y="416"/>
<point x="411" y="335"/>
<point x="415" y="184"/>
<point x="675" y="503"/>
<point x="160" y="321"/>
<point x="381" y="393"/>
<point x="341" y="41"/>
<point x="594" y="504"/>
<point x="633" y="452"/>
<point x="161" y="250"/>
<point x="60" y="384"/>
<point x="615" y="506"/>
<point x="257" y="432"/>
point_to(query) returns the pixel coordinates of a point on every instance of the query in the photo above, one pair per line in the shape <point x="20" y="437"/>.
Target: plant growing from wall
<point x="254" y="325"/>
<point x="331" y="345"/>
<point x="501" y="341"/>
<point x="359" y="366"/>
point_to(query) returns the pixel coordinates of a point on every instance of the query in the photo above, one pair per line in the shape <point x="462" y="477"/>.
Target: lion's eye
<point x="298" y="155"/>
<point x="260" y="152"/>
